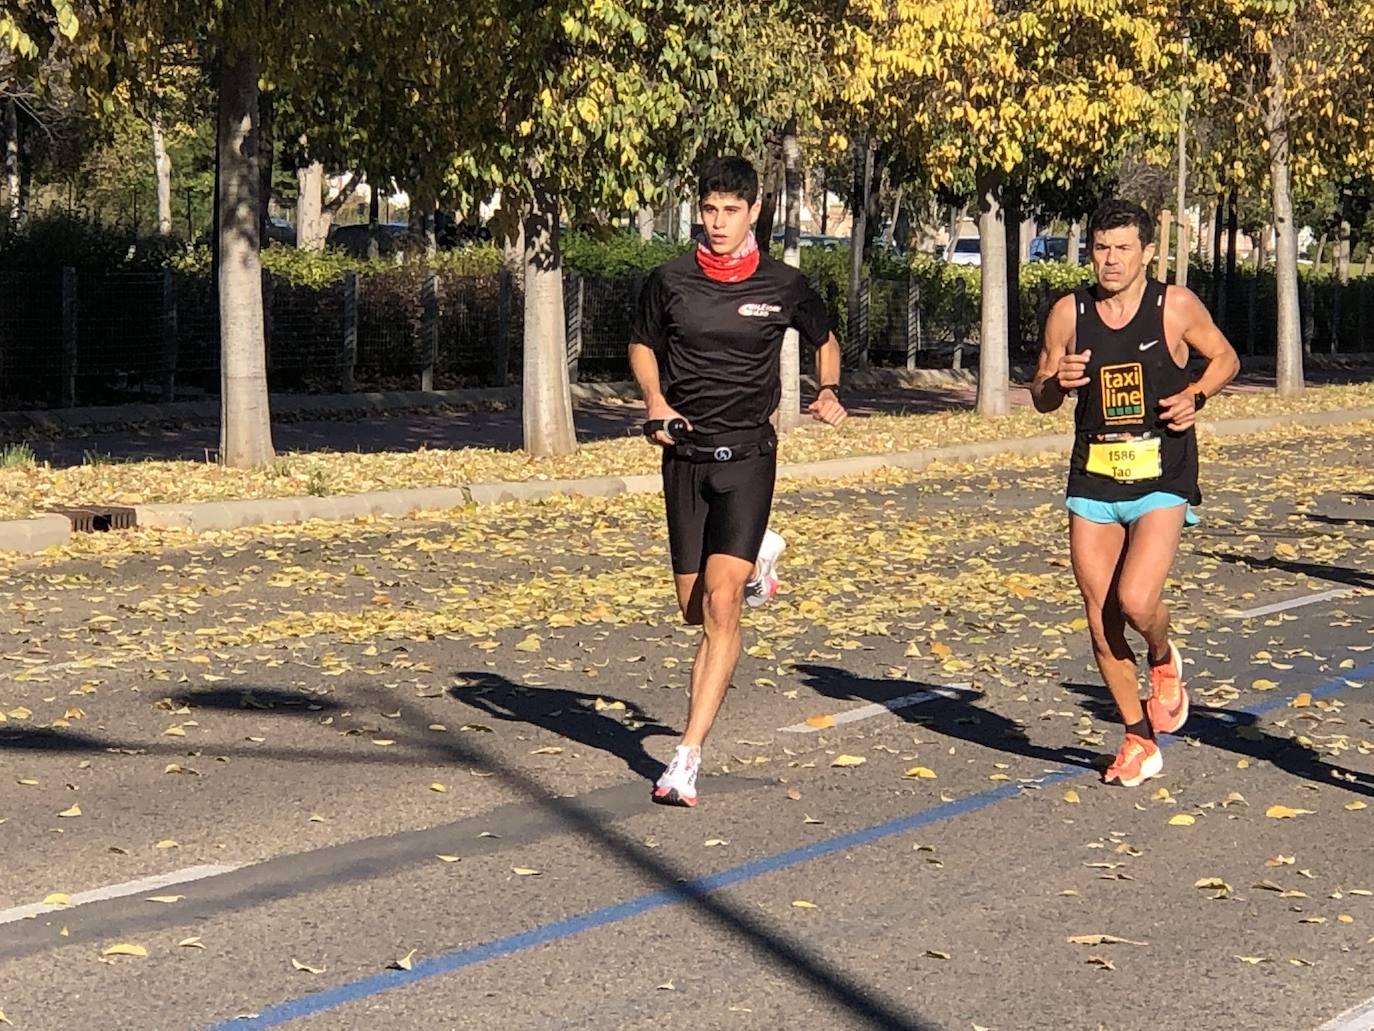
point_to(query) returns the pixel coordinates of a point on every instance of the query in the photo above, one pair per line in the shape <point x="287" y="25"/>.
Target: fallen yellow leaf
<point x="524" y="871"/>
<point x="1182" y="820"/>
<point x="75" y="810"/>
<point x="1283" y="812"/>
<point x="844" y="761"/>
<point x="1071" y="796"/>
<point x="305" y="967"/>
<point x="165" y="899"/>
<point x="125" y="949"/>
<point x="404" y="963"/>
<point x="820" y="722"/>
<point x="920" y="773"/>
<point x="803" y="904"/>
<point x="58" y="898"/>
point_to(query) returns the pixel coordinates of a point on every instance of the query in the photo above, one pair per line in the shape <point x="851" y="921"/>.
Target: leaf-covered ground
<point x="25" y="490"/>
<point x="171" y="700"/>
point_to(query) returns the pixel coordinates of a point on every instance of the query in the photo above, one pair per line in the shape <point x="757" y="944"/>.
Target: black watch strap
<point x="1199" y="399"/>
<point x="834" y="388"/>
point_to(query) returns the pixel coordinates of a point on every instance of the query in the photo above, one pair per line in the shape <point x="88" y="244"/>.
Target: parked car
<point x="967" y="251"/>
<point x="1054" y="248"/>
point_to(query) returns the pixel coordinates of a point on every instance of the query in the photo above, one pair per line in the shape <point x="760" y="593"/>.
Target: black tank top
<point x="1130" y="370"/>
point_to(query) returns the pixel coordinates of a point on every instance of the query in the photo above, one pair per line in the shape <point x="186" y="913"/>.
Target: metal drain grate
<point x="98" y="518"/>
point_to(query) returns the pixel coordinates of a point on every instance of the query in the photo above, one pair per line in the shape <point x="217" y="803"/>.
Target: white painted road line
<point x="956" y="692"/>
<point x="1293" y="603"/>
<point x="1357" y="1018"/>
<point x="116" y="891"/>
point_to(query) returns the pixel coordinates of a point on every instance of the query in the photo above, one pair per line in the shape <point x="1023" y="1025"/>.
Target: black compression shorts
<point x="717" y="508"/>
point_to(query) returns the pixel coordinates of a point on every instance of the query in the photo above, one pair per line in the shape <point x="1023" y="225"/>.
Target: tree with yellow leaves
<point x="1003" y="90"/>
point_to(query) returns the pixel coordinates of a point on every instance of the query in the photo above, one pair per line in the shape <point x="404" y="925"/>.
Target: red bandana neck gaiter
<point x="729" y="268"/>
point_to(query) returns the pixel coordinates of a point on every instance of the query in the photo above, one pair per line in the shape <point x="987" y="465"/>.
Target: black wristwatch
<point x="1199" y="399"/>
<point x="834" y="388"/>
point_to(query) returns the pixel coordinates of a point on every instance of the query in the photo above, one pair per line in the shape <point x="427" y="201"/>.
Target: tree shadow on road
<point x="620" y="728"/>
<point x="953" y="713"/>
<point x="854" y="1004"/>
<point x="1239" y="732"/>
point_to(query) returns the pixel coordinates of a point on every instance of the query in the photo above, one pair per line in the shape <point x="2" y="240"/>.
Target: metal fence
<point x="154" y="336"/>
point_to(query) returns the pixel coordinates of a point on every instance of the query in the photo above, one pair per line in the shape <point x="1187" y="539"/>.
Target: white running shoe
<point x="678" y="785"/>
<point x="763" y="584"/>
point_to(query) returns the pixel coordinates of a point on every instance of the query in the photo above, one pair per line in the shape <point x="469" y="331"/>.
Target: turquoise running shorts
<point x="1127" y="512"/>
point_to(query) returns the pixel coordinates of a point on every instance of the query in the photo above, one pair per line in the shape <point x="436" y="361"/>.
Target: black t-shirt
<point x="718" y="344"/>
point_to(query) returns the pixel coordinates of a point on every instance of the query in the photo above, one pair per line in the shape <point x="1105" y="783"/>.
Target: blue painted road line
<point x="332" y="998"/>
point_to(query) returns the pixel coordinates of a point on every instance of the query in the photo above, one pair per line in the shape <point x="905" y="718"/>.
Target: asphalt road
<point x="431" y="740"/>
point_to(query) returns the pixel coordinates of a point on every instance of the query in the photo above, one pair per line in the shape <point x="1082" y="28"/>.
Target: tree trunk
<point x="644" y="222"/>
<point x="162" y="165"/>
<point x="1320" y="252"/>
<point x="1011" y="220"/>
<point x="863" y="173"/>
<point x="374" y="233"/>
<point x="266" y="158"/>
<point x="12" y="176"/>
<point x="1232" y="231"/>
<point x="1262" y="250"/>
<point x="873" y="199"/>
<point x="1166" y="219"/>
<point x="825" y="201"/>
<point x="890" y="231"/>
<point x="245" y="420"/>
<point x="993" y="365"/>
<point x="1181" y="272"/>
<point x="1074" y="243"/>
<point x="770" y="189"/>
<point x="1181" y="184"/>
<point x="1341" y="255"/>
<point x="312" y="229"/>
<point x="956" y="219"/>
<point x="789" y="407"/>
<point x="548" y="419"/>
<point x="1288" y="332"/>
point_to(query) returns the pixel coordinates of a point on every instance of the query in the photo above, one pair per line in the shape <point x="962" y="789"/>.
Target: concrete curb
<point x="35" y="534"/>
<point x="27" y="536"/>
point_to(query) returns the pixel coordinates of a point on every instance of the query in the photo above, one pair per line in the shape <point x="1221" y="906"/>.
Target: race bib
<point x="1126" y="461"/>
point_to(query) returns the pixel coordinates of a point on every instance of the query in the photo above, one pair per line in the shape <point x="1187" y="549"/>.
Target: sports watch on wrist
<point x="1199" y="399"/>
<point x="834" y="388"/>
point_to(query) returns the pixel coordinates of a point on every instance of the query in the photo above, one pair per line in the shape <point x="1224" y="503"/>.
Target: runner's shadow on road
<point x="619" y="728"/>
<point x="954" y="713"/>
<point x="1240" y="733"/>
<point x="1315" y="570"/>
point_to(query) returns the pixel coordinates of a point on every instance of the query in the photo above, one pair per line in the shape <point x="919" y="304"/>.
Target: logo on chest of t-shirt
<point x="1123" y="392"/>
<point x="753" y="310"/>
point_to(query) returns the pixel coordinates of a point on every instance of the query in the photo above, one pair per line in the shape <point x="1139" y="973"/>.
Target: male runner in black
<point x="1123" y="345"/>
<point x="705" y="349"/>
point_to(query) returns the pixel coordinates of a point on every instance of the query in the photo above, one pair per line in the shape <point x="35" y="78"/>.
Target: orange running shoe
<point x="1167" y="705"/>
<point x="1138" y="761"/>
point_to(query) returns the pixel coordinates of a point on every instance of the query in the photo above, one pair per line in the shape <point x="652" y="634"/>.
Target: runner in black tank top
<point x="1123" y="345"/>
<point x="1131" y="370"/>
<point x="704" y="348"/>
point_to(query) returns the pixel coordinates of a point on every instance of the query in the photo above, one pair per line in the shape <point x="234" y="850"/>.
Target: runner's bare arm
<point x="827" y="408"/>
<point x="1187" y="319"/>
<point x="1059" y="369"/>
<point x="644" y="366"/>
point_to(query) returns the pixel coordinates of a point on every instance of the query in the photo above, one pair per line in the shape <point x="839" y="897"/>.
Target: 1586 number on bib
<point x="1126" y="461"/>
